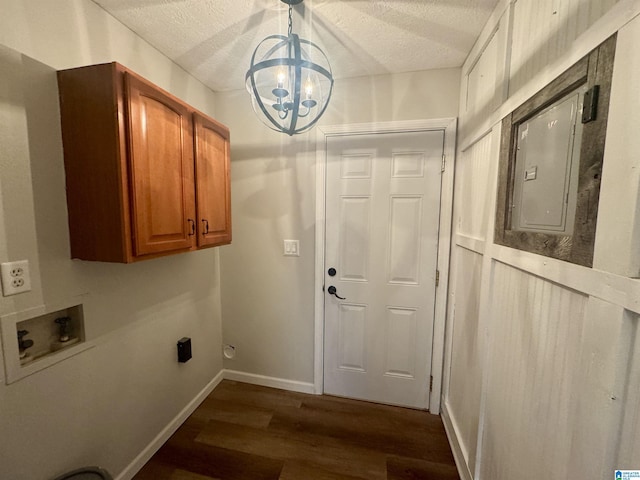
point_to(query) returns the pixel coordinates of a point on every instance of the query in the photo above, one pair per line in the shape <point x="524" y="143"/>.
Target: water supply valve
<point x="23" y="343"/>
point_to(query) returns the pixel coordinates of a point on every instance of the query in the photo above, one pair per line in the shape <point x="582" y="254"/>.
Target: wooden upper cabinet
<point x="161" y="166"/>
<point x="212" y="181"/>
<point x="147" y="175"/>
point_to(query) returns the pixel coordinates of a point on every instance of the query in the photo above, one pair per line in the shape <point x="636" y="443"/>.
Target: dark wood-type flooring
<point x="247" y="432"/>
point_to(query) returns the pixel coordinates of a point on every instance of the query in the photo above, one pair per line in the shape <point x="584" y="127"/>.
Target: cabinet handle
<point x="206" y="226"/>
<point x="192" y="224"/>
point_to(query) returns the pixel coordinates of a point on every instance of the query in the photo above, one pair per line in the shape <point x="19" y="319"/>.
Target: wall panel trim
<point x="273" y="382"/>
<point x="476" y="245"/>
<point x="456" y="446"/>
<point x="606" y="286"/>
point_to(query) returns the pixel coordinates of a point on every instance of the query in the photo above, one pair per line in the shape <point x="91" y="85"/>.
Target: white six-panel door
<point x="382" y="217"/>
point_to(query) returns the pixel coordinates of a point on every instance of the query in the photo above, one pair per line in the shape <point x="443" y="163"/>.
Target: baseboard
<point x="281" y="383"/>
<point x="458" y="455"/>
<point x="163" y="436"/>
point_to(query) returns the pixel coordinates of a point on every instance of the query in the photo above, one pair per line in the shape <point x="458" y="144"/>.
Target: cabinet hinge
<point x="444" y="162"/>
<point x="431" y="383"/>
<point x="437" y="277"/>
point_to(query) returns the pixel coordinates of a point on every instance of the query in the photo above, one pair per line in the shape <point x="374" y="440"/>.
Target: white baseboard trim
<point x="163" y="436"/>
<point x="458" y="455"/>
<point x="264" y="381"/>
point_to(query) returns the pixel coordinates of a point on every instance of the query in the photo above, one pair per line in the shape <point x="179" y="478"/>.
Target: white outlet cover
<point x="15" y="277"/>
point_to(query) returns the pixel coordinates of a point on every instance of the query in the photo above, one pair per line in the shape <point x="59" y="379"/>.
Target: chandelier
<point x="290" y="81"/>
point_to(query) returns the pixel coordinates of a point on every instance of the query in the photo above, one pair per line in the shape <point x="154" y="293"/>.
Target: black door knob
<point x="334" y="291"/>
<point x="332" y="272"/>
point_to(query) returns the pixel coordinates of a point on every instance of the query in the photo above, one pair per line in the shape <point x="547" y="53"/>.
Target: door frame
<point x="449" y="127"/>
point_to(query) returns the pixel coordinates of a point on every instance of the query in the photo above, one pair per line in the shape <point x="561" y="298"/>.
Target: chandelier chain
<point x="290" y="21"/>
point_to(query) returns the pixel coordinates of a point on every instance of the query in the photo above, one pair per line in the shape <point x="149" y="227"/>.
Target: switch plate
<point x="291" y="248"/>
<point x="15" y="277"/>
<point x="531" y="174"/>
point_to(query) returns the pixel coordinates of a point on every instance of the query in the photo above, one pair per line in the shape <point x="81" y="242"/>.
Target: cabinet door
<point x="212" y="182"/>
<point x="161" y="169"/>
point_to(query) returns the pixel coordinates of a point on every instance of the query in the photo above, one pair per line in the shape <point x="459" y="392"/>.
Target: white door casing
<point x="394" y="195"/>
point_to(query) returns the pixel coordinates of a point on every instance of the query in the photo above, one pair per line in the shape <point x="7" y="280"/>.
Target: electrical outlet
<point x="15" y="277"/>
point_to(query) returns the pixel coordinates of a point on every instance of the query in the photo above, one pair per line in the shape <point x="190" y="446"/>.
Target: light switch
<point x="531" y="174"/>
<point x="292" y="248"/>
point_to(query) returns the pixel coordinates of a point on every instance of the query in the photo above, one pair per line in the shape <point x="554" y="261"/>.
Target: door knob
<point x="332" y="272"/>
<point x="334" y="291"/>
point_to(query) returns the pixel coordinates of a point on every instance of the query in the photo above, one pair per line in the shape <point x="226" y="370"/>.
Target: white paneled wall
<point x="544" y="29"/>
<point x="536" y="338"/>
<point x="465" y="374"/>
<point x="472" y="212"/>
<point x="629" y="451"/>
<point x="482" y="94"/>
<point x="483" y="84"/>
<point x="543" y="357"/>
<point x="472" y="199"/>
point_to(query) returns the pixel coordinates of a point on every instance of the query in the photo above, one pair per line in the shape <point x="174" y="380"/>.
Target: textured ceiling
<point x="214" y="39"/>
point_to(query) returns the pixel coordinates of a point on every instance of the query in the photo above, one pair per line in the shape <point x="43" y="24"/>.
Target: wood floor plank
<point x="248" y="432"/>
<point x="189" y="430"/>
<point x="232" y="412"/>
<point x="376" y="432"/>
<point x="331" y="454"/>
<point x="405" y="415"/>
<point x="296" y="470"/>
<point x="155" y="470"/>
<point x="255" y="395"/>
<point x="184" y="475"/>
<point x="160" y="471"/>
<point x="217" y="462"/>
<point x="402" y="468"/>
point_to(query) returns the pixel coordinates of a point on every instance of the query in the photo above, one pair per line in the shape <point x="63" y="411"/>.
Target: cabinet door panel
<point x="212" y="182"/>
<point x="161" y="166"/>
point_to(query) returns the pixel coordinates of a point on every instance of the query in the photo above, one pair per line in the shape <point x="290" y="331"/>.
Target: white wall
<point x="267" y="298"/>
<point x="542" y="364"/>
<point x="105" y="405"/>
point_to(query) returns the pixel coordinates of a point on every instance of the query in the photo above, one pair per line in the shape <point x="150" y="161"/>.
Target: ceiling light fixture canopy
<point x="290" y="81"/>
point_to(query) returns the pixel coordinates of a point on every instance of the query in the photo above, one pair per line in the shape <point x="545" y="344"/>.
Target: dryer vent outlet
<point x="229" y="351"/>
<point x="184" y="349"/>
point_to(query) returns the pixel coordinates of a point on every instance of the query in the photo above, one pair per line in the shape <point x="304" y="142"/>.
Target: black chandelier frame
<point x="294" y="62"/>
